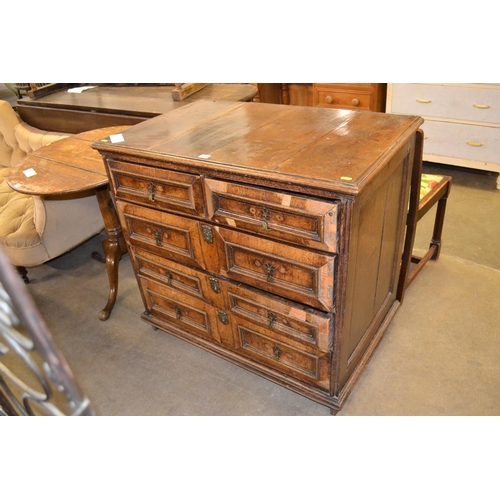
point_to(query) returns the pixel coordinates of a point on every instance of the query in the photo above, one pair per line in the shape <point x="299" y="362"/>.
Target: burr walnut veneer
<point x="269" y="235"/>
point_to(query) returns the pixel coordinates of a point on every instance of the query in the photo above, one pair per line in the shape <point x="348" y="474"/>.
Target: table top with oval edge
<point x="65" y="166"/>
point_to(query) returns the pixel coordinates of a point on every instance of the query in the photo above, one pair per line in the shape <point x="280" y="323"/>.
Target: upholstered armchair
<point x="34" y="229"/>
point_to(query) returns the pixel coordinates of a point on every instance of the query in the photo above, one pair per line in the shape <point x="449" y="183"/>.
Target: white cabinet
<point x="462" y="121"/>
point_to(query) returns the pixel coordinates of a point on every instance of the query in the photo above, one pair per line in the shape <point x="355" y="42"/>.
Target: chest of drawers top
<point x="267" y="144"/>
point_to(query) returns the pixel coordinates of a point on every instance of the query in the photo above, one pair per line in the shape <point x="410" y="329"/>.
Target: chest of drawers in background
<point x="462" y="121"/>
<point x="355" y="96"/>
<point x="268" y="235"/>
<point x="362" y="96"/>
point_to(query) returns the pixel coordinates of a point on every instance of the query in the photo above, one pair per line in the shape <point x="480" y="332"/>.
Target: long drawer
<point x="447" y="101"/>
<point x="298" y="274"/>
<point x="457" y="140"/>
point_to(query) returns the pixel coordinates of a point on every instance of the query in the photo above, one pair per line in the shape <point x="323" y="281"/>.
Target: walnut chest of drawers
<point x="268" y="235"/>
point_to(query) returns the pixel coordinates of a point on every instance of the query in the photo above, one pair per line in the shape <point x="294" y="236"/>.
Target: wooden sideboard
<point x="268" y="235"/>
<point x="356" y="96"/>
<point x="462" y="121"/>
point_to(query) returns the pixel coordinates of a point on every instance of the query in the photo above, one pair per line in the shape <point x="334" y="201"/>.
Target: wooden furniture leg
<point x="418" y="208"/>
<point x="285" y="94"/>
<point x="114" y="247"/>
<point x="440" y="195"/>
<point x="23" y="272"/>
<point x="411" y="223"/>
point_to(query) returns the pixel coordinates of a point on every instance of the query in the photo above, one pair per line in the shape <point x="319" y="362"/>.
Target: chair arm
<point x="55" y="218"/>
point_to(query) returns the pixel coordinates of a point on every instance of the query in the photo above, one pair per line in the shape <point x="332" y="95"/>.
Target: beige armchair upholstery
<point x="36" y="229"/>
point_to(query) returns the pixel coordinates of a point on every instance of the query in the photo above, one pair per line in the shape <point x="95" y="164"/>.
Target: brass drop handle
<point x="329" y="99"/>
<point x="355" y="102"/>
<point x="151" y="191"/>
<point x="277" y="352"/>
<point x="481" y="106"/>
<point x="178" y="313"/>
<point x="169" y="277"/>
<point x="269" y="269"/>
<point x="424" y="101"/>
<point x="475" y="144"/>
<point x="265" y="214"/>
<point x="158" y="237"/>
<point x="271" y="320"/>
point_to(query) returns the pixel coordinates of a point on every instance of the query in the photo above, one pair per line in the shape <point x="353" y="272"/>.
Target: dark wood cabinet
<point x="268" y="235"/>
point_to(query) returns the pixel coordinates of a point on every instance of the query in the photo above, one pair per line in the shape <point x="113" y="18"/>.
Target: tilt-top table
<point x="71" y="166"/>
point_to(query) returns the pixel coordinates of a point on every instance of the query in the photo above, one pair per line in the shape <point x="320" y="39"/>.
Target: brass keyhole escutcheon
<point x="151" y="191"/>
<point x="224" y="318"/>
<point x="158" y="237"/>
<point x="214" y="284"/>
<point x="178" y="313"/>
<point x="269" y="269"/>
<point x="277" y="352"/>
<point x="207" y="232"/>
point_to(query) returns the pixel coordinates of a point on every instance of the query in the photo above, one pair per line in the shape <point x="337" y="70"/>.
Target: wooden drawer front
<point x="342" y="99"/>
<point x="472" y="142"/>
<point x="163" y="234"/>
<point x="303" y="221"/>
<point x="308" y="365"/>
<point x="181" y="278"/>
<point x="300" y="275"/>
<point x="157" y="187"/>
<point x="443" y="101"/>
<point x="282" y="319"/>
<point x="180" y="311"/>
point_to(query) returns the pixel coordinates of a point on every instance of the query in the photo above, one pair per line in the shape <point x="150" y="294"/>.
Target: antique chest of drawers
<point x="268" y="235"/>
<point x="362" y="96"/>
<point x="462" y="121"/>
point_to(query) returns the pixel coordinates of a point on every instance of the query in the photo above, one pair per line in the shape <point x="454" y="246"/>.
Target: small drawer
<point x="304" y="221"/>
<point x="304" y="364"/>
<point x="457" y="140"/>
<point x="282" y="319"/>
<point x="342" y="99"/>
<point x="447" y="101"/>
<point x="157" y="187"/>
<point x="172" y="237"/>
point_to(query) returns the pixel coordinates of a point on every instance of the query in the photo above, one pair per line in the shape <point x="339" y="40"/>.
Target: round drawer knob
<point x="355" y="102"/>
<point x="329" y="99"/>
